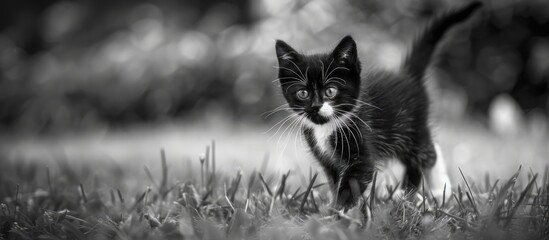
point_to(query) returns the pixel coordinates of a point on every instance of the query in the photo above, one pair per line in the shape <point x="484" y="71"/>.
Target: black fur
<point x="381" y="114"/>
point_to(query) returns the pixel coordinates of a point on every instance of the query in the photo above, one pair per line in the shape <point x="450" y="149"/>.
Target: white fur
<point x="390" y="173"/>
<point x="438" y="176"/>
<point x="322" y="135"/>
<point x="287" y="56"/>
<point x="323" y="132"/>
<point x="326" y="110"/>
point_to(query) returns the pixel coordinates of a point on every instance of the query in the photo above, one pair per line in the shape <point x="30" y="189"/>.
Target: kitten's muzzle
<point x="315" y="106"/>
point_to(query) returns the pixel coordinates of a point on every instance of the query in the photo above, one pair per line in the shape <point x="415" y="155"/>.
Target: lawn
<point x="195" y="199"/>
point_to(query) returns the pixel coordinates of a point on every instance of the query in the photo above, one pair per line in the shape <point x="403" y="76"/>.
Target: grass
<point x="106" y="200"/>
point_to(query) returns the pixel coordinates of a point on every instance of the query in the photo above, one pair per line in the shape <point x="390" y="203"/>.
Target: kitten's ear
<point x="345" y="51"/>
<point x="285" y="52"/>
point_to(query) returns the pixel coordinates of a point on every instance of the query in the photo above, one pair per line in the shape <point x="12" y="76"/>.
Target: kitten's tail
<point x="425" y="44"/>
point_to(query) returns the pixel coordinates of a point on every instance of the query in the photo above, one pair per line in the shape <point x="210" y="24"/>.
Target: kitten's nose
<point x="316" y="106"/>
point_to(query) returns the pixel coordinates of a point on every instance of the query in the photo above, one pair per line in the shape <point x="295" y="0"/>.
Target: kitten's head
<point x="321" y="86"/>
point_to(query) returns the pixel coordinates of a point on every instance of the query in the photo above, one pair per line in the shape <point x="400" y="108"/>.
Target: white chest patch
<point x="322" y="135"/>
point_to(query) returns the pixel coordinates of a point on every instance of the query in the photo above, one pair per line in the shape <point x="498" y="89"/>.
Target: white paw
<point x="388" y="178"/>
<point x="438" y="181"/>
<point x="443" y="191"/>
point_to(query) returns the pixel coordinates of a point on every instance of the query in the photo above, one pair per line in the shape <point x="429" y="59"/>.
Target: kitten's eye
<point x="331" y="92"/>
<point x="303" y="94"/>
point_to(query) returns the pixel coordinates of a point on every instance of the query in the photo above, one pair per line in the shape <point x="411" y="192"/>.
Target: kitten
<point x="352" y="123"/>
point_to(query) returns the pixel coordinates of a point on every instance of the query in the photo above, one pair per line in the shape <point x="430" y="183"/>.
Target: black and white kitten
<point x="352" y="122"/>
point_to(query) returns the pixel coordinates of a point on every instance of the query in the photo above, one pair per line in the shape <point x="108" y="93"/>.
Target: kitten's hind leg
<point x="437" y="176"/>
<point x="421" y="159"/>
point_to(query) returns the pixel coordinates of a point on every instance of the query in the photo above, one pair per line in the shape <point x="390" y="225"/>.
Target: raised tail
<point x="425" y="44"/>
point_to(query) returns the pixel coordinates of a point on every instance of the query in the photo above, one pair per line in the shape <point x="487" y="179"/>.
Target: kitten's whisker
<point x="282" y="109"/>
<point x="337" y="121"/>
<point x="338" y="129"/>
<point x="290" y="127"/>
<point x="330" y="73"/>
<point x="290" y="77"/>
<point x="301" y="130"/>
<point x="354" y="123"/>
<point x="346" y="140"/>
<point x="275" y="109"/>
<point x="288" y="88"/>
<point x="282" y="134"/>
<point x="351" y="132"/>
<point x="328" y="68"/>
<point x="336" y="80"/>
<point x="368" y="104"/>
<point x="322" y="69"/>
<point x="345" y="104"/>
<point x="298" y="133"/>
<point x="287" y="69"/>
<point x="354" y="115"/>
<point x="280" y="123"/>
<point x="332" y="125"/>
<point x="295" y="65"/>
<point x="325" y="70"/>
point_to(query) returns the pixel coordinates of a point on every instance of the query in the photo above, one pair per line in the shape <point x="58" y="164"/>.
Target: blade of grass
<point x="213" y="161"/>
<point x="164" y="181"/>
<point x="202" y="159"/>
<point x="314" y="187"/>
<point x="444" y="196"/>
<point x="271" y="206"/>
<point x="113" y="199"/>
<point x="280" y="191"/>
<point x="314" y="202"/>
<point x="522" y="197"/>
<point x="208" y="193"/>
<point x="49" y="179"/>
<point x="458" y="202"/>
<point x="536" y="182"/>
<point x="460" y="193"/>
<point x="372" y="193"/>
<point x="265" y="185"/>
<point x="458" y="218"/>
<point x="235" y="186"/>
<point x="424" y="197"/>
<point x="120" y="196"/>
<point x="17" y="194"/>
<point x="501" y="195"/>
<point x="83" y="193"/>
<point x="472" y="198"/>
<point x="487" y="181"/>
<point x="493" y="188"/>
<point x="251" y="184"/>
<point x="227" y="198"/>
<point x="472" y="202"/>
<point x="301" y="208"/>
<point x="207" y="160"/>
<point x="137" y="201"/>
<point x="149" y="174"/>
<point x="147" y="195"/>
<point x="294" y="195"/>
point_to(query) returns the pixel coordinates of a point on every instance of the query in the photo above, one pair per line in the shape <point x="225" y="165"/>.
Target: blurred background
<point x="88" y="79"/>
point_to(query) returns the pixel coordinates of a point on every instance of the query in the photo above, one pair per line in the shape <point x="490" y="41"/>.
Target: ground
<point x="121" y="185"/>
